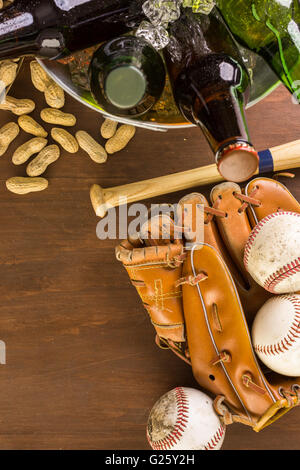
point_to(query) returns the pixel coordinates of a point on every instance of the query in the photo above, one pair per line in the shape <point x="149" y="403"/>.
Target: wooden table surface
<point x="82" y="368"/>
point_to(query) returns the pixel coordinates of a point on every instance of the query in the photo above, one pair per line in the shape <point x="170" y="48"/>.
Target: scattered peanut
<point x="8" y="72"/>
<point x="29" y="125"/>
<point x="54" y="95"/>
<point x="56" y="116"/>
<point x="25" y="151"/>
<point x="8" y="133"/>
<point x="5" y="3"/>
<point x="108" y="128"/>
<point x="121" y="138"/>
<point x="18" y="106"/>
<point x="117" y="139"/>
<point x="25" y="185"/>
<point x="40" y="163"/>
<point x="39" y="77"/>
<point x="65" y="139"/>
<point x="96" y="152"/>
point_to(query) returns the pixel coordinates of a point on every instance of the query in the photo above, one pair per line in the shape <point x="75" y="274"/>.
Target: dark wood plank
<point x="82" y="368"/>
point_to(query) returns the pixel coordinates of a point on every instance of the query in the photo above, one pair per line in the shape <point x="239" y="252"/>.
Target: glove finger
<point x="154" y="271"/>
<point x="160" y="230"/>
<point x="235" y="228"/>
<point x="197" y="218"/>
<point x="262" y="197"/>
<point x="273" y="196"/>
<point x="223" y="359"/>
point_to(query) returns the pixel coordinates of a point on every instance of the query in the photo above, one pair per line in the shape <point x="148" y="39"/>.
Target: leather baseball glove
<point x="202" y="301"/>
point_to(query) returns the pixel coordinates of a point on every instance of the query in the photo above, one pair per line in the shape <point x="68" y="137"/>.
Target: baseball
<point x="184" y="419"/>
<point x="272" y="252"/>
<point x="276" y="334"/>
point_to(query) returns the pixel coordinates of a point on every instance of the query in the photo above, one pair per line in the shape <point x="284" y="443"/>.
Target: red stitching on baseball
<point x="180" y="425"/>
<point x="215" y="439"/>
<point x="283" y="273"/>
<point x="182" y="419"/>
<point x="291" y="336"/>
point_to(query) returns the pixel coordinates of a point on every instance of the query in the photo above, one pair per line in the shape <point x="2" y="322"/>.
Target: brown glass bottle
<point x="211" y="87"/>
<point x="56" y="28"/>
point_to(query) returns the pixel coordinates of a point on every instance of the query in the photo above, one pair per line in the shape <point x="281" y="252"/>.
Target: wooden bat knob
<point x="97" y="200"/>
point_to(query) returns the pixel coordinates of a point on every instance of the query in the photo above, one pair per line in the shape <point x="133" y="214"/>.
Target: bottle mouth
<point x="238" y="162"/>
<point x="125" y="87"/>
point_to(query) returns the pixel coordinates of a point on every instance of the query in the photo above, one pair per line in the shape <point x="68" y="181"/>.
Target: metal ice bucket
<point x="264" y="81"/>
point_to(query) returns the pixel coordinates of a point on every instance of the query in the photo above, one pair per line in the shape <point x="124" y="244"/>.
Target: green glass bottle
<point x="270" y="28"/>
<point x="127" y="76"/>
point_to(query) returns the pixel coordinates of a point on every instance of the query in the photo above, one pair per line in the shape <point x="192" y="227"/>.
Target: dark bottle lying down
<point x="56" y="28"/>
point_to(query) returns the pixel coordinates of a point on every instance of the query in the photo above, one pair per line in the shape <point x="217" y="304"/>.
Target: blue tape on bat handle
<point x="266" y="163"/>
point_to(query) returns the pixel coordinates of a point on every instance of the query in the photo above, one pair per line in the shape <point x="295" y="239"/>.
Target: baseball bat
<point x="282" y="157"/>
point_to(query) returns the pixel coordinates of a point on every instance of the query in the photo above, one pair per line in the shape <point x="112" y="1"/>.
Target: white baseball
<point x="272" y="252"/>
<point x="184" y="419"/>
<point x="276" y="334"/>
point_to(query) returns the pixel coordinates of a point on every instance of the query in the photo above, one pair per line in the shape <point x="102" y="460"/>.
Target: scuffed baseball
<point x="184" y="419"/>
<point x="276" y="334"/>
<point x="272" y="253"/>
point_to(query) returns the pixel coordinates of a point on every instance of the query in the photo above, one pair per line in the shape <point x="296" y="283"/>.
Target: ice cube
<point x="157" y="36"/>
<point x="162" y="12"/>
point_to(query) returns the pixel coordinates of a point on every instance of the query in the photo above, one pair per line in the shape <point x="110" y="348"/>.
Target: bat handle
<point x="104" y="199"/>
<point x="282" y="157"/>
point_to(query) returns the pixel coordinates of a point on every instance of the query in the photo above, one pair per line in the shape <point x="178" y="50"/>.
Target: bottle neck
<point x="212" y="94"/>
<point x="28" y="30"/>
<point x="195" y="36"/>
<point x="221" y="117"/>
